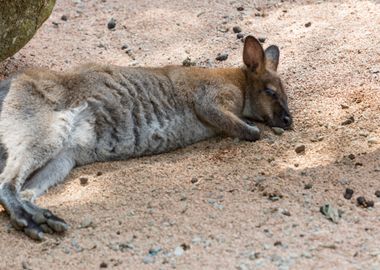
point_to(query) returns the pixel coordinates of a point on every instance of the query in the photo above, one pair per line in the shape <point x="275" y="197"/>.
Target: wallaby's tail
<point x="4" y="89"/>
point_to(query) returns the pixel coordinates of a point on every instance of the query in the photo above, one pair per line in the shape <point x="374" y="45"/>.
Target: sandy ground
<point x="223" y="203"/>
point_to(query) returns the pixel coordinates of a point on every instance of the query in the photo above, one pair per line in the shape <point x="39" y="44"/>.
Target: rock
<point x="83" y="181"/>
<point x="240" y="8"/>
<point x="19" y="21"/>
<point x="373" y="140"/>
<point x="308" y="24"/>
<point x="99" y="173"/>
<point x="124" y="47"/>
<point x="148" y="259"/>
<point x="300" y="148"/>
<point x="331" y="212"/>
<point x="344" y="181"/>
<point x="377" y="193"/>
<point x="103" y="265"/>
<point x="348" y="121"/>
<point x="178" y="251"/>
<point x="221" y="56"/>
<point x="344" y="106"/>
<point x="278" y="131"/>
<point x="64" y="18"/>
<point x="194" y="180"/>
<point x="362" y="201"/>
<point x="308" y="186"/>
<point x="188" y="63"/>
<point x="86" y="223"/>
<point x="236" y="29"/>
<point x="348" y="194"/>
<point x="240" y="36"/>
<point x="111" y="24"/>
<point x="262" y="39"/>
<point x="154" y="251"/>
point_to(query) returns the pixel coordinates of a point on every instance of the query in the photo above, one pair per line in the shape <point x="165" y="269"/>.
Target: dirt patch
<point x="249" y="207"/>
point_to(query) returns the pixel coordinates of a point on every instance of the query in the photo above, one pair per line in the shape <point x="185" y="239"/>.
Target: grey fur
<point x="52" y="122"/>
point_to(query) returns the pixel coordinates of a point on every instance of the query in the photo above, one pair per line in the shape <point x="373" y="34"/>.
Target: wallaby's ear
<point x="253" y="55"/>
<point x="272" y="56"/>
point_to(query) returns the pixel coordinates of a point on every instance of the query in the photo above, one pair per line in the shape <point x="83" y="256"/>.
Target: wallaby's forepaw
<point x="252" y="133"/>
<point x="35" y="221"/>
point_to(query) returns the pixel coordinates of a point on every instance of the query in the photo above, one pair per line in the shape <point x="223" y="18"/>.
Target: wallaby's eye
<point x="270" y="92"/>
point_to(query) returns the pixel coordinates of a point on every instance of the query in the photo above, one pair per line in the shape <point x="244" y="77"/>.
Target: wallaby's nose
<point x="287" y="121"/>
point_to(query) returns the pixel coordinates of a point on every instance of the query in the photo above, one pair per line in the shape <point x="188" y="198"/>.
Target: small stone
<point x="154" y="251"/>
<point x="64" y="18"/>
<point x="308" y="24"/>
<point x="99" y="173"/>
<point x="86" y="223"/>
<point x="300" y="148"/>
<point x="236" y="29"/>
<point x="240" y="8"/>
<point x="262" y="39"/>
<point x="278" y="131"/>
<point x="344" y="106"/>
<point x="344" y="181"/>
<point x="148" y="259"/>
<point x="240" y="36"/>
<point x="373" y="140"/>
<point x="221" y="56"/>
<point x="185" y="246"/>
<point x="308" y="186"/>
<point x="178" y="251"/>
<point x="194" y="180"/>
<point x="111" y="24"/>
<point x="277" y="243"/>
<point x="361" y="201"/>
<point x="351" y="156"/>
<point x="188" y="63"/>
<point x="377" y="193"/>
<point x="124" y="47"/>
<point x="348" y="121"/>
<point x="370" y="204"/>
<point x="83" y="181"/>
<point x="331" y="212"/>
<point x="103" y="265"/>
<point x="348" y="194"/>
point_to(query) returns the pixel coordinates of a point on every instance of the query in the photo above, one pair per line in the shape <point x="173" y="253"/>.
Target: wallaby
<point x="51" y="122"/>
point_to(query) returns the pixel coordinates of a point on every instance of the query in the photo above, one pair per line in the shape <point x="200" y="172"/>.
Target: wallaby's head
<point x="266" y="100"/>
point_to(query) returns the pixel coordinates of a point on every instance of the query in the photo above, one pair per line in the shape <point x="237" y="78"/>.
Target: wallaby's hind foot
<point x="25" y="216"/>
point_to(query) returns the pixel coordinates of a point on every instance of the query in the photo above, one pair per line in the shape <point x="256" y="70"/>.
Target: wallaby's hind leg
<point x="24" y="215"/>
<point x="52" y="173"/>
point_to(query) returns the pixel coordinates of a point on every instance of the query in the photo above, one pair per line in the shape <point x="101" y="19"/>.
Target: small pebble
<point x="148" y="259"/>
<point x="351" y="156"/>
<point x="240" y="36"/>
<point x="349" y="121"/>
<point x="111" y="24"/>
<point x="188" y="63"/>
<point x="300" y="148"/>
<point x="124" y="47"/>
<point x="344" y="106"/>
<point x="373" y="140"/>
<point x="262" y="39"/>
<point x="240" y="8"/>
<point x="194" y="180"/>
<point x="308" y="186"/>
<point x="348" y="194"/>
<point x="83" y="181"/>
<point x="364" y="203"/>
<point x="236" y="29"/>
<point x="103" y="265"/>
<point x="308" y="24"/>
<point x="99" y="173"/>
<point x="178" y="251"/>
<point x="221" y="56"/>
<point x="278" y="130"/>
<point x="64" y="18"/>
<point x="377" y="193"/>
